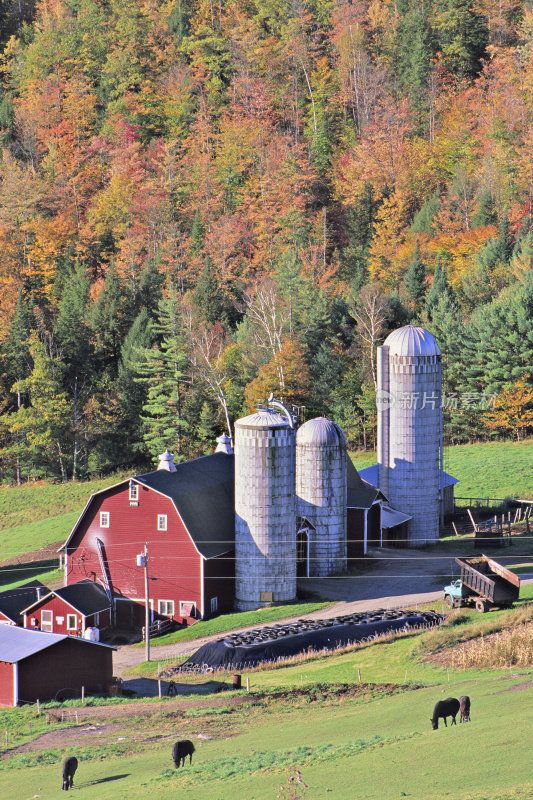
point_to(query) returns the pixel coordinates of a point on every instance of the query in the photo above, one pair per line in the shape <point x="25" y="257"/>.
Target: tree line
<point x="202" y="203"/>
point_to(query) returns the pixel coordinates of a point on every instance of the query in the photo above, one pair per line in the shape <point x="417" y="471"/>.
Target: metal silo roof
<point x="320" y="431"/>
<point x="412" y="341"/>
<point x="263" y="419"/>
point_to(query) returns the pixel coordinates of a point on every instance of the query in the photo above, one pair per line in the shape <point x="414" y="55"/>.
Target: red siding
<point x="6" y="683"/>
<point x="174" y="564"/>
<point x="68" y="664"/>
<point x="4" y="618"/>
<point x="61" y="610"/>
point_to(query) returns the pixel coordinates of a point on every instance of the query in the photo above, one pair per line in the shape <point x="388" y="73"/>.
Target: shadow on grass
<point x="26" y="571"/>
<point x="108" y="779"/>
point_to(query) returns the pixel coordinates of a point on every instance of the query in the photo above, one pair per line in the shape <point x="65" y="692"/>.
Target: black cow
<point x="70" y="765"/>
<point x="464" y="703"/>
<point x="443" y="709"/>
<point x="181" y="750"/>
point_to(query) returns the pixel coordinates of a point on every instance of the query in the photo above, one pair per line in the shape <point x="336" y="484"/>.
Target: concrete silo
<point x="410" y="428"/>
<point x="321" y="488"/>
<point x="265" y="509"/>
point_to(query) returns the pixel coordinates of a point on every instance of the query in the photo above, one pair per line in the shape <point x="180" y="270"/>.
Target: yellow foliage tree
<point x="385" y="264"/>
<point x="513" y="408"/>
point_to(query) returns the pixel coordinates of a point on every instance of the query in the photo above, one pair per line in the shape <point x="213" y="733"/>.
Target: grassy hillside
<point x="488" y="469"/>
<point x="310" y="731"/>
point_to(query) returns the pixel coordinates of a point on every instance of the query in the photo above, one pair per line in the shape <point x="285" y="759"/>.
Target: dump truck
<point x="484" y="583"/>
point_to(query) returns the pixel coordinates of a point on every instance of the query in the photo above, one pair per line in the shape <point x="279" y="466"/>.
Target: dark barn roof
<point x="14" y="601"/>
<point x="361" y="494"/>
<point x="85" y="596"/>
<point x="203" y="492"/>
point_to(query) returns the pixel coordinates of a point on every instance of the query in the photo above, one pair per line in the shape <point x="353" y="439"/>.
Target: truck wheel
<point x="449" y="601"/>
<point x="481" y="606"/>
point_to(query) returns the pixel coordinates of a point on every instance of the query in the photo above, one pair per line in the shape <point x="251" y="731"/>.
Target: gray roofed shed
<point x="16" y="644"/>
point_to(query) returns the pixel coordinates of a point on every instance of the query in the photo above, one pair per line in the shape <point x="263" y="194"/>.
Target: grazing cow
<point x="70" y="765"/>
<point x="443" y="709"/>
<point x="181" y="750"/>
<point x="464" y="704"/>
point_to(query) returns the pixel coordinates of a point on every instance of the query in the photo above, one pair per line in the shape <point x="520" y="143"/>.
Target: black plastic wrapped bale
<point x="281" y="641"/>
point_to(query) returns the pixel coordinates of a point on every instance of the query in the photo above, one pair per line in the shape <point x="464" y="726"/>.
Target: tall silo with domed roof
<point x="265" y="508"/>
<point x="321" y="492"/>
<point x="410" y="428"/>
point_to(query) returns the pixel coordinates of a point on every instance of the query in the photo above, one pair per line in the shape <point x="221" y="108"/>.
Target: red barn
<point x="70" y="610"/>
<point x="184" y="514"/>
<point x="36" y="665"/>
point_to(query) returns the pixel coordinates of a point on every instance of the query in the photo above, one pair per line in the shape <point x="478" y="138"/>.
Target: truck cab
<point x="456" y="593"/>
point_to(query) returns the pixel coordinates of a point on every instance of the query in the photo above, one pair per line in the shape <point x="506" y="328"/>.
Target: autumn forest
<point x="203" y="201"/>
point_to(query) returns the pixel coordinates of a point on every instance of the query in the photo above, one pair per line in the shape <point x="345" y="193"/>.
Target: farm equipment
<point x="484" y="583"/>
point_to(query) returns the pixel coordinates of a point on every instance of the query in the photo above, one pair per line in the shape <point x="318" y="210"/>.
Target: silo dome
<point x="265" y="510"/>
<point x="321" y="489"/>
<point x="412" y="341"/>
<point x="320" y="431"/>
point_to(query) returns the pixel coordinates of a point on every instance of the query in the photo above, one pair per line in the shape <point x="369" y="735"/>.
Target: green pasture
<point x="379" y="748"/>
<point x="486" y="469"/>
<point x="492" y="469"/>
<point x="349" y="725"/>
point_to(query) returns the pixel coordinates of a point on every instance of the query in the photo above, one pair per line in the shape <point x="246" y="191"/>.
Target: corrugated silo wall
<point x="414" y="432"/>
<point x="265" y="515"/>
<point x="321" y="499"/>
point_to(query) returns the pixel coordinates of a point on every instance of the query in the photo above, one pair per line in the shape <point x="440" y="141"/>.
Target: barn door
<point x="47" y="621"/>
<point x="302" y="553"/>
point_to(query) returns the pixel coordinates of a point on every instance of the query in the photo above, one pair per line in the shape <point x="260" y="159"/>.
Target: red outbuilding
<point x="184" y="515"/>
<point x="36" y="665"/>
<point x="71" y="610"/>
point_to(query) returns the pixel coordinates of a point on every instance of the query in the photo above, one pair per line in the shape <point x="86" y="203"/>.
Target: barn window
<point x="104" y="519"/>
<point x="134" y="492"/>
<point x="161" y="522"/>
<point x="166" y="607"/>
<point x="214" y="605"/>
<point x="72" y="622"/>
<point x="187" y="609"/>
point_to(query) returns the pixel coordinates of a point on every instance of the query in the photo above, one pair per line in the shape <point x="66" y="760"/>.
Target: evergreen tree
<point x="414" y="52"/>
<point x="462" y="36"/>
<point x="439" y="288"/>
<point x="110" y="320"/>
<point x="415" y="279"/>
<point x="485" y="213"/>
<point x="423" y="219"/>
<point x="132" y="394"/>
<point x="42" y="428"/>
<point x="162" y="372"/>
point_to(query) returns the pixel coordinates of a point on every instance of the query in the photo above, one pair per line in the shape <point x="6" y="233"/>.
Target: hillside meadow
<point x="308" y="731"/>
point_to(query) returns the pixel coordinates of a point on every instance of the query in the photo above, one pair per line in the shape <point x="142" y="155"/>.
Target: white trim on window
<point x="134" y="492"/>
<point x="72" y="626"/>
<point x="166" y="608"/>
<point x="161" y="522"/>
<point x="104" y="519"/>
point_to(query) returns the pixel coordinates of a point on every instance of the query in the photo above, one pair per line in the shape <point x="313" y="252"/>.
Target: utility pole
<point x="147" y="613"/>
<point x="142" y="561"/>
